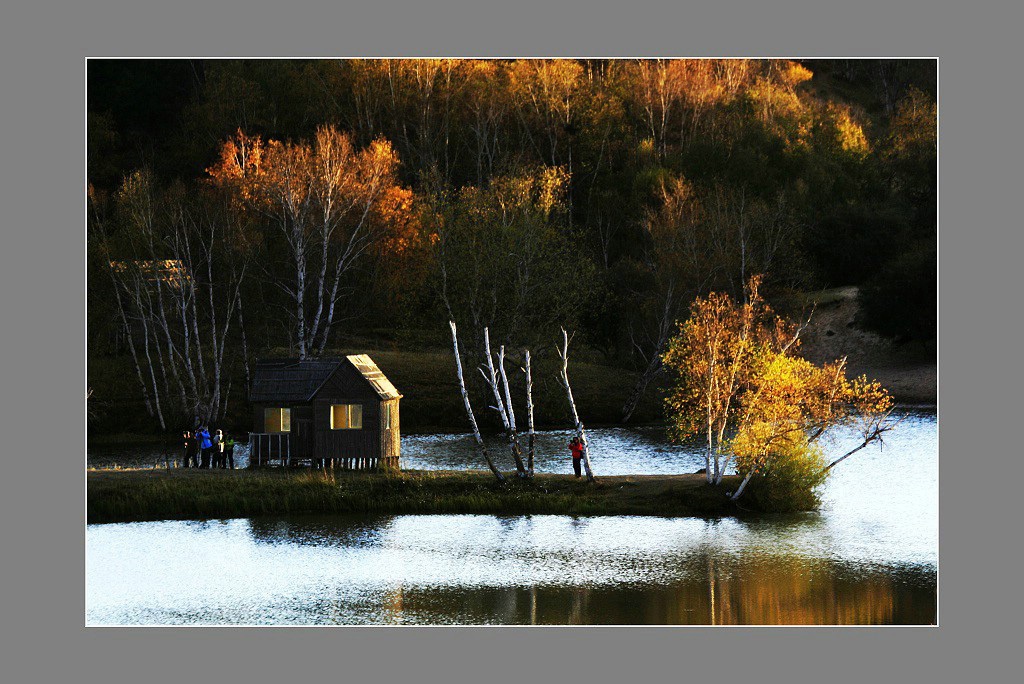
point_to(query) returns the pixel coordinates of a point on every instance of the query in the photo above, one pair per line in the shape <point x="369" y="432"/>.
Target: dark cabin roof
<point x="292" y="380"/>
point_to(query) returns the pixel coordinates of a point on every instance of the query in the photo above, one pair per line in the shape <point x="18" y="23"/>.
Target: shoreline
<point x="140" y="495"/>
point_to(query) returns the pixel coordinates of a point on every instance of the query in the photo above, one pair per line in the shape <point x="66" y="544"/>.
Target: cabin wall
<point x="390" y="439"/>
<point x="311" y="436"/>
<point x="347" y="386"/>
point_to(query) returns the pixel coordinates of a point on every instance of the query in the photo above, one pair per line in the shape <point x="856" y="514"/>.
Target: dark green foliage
<point x="850" y="243"/>
<point x="900" y="301"/>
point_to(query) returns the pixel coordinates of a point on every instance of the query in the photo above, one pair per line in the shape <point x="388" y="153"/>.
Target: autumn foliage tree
<point x="739" y="382"/>
<point x="525" y="194"/>
<point x="320" y="200"/>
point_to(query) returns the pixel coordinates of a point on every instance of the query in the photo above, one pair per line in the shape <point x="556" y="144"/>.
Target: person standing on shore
<point x="576" y="447"/>
<point x="229" y="453"/>
<point x="218" y="449"/>
<point x="205" y="446"/>
<point x="189" y="443"/>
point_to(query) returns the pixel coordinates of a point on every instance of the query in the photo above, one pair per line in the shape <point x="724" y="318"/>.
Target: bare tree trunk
<point x="215" y="351"/>
<point x="529" y="416"/>
<point x="135" y="353"/>
<point x="245" y="345"/>
<point x="879" y="428"/>
<point x="300" y="300"/>
<point x="491" y="376"/>
<point x="481" y="447"/>
<point x="517" y="451"/>
<point x="743" y="485"/>
<point x="563" y="353"/>
<point x="149" y="359"/>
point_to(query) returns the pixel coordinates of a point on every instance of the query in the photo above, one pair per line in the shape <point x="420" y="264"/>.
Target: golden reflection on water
<point x="733" y="593"/>
<point x="753" y="582"/>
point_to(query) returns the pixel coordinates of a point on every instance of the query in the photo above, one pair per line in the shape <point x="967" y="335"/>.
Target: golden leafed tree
<point x="740" y="383"/>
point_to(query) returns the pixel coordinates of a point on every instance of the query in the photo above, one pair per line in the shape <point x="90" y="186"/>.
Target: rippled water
<point x="868" y="557"/>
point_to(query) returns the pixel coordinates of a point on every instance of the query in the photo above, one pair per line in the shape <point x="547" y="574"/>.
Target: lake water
<point x="869" y="556"/>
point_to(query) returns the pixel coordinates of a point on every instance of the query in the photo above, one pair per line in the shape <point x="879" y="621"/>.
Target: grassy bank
<point x="118" y="496"/>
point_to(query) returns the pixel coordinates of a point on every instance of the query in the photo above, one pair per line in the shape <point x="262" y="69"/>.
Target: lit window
<point x="347" y="417"/>
<point x="277" y="420"/>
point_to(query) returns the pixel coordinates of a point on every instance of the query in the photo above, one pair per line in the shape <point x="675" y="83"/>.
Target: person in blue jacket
<point x="205" y="446"/>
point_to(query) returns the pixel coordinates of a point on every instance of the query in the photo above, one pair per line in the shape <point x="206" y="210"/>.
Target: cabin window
<point x="277" y="420"/>
<point x="387" y="417"/>
<point x="347" y="417"/>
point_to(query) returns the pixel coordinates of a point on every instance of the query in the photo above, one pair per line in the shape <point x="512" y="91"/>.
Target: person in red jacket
<point x="576" y="447"/>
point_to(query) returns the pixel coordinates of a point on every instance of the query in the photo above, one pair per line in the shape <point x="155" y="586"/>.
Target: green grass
<point x="122" y="495"/>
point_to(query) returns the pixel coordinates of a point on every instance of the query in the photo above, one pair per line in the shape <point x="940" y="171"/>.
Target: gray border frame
<point x="44" y="46"/>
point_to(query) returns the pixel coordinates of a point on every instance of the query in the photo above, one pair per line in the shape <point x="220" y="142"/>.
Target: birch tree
<point x="496" y="381"/>
<point x="529" y="414"/>
<point x="177" y="260"/>
<point x="480" y="445"/>
<point x="563" y="380"/>
<point x="741" y="384"/>
<point x="319" y="199"/>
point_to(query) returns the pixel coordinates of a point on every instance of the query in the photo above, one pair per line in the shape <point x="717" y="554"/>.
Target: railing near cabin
<point x="275" y="449"/>
<point x="270" y="448"/>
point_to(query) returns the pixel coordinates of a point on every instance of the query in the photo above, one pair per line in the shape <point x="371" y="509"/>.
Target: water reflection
<point x="868" y="557"/>
<point x="494" y="570"/>
<point x="797" y="598"/>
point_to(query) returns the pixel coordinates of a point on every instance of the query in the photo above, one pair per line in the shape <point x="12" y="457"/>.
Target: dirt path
<point x="910" y="373"/>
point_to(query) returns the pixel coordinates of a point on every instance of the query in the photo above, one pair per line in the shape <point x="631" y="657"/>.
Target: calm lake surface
<point x="869" y="556"/>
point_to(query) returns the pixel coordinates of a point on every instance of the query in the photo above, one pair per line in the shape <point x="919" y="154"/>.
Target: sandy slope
<point x="909" y="373"/>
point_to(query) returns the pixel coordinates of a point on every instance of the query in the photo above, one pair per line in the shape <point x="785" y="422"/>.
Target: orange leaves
<point x="300" y="182"/>
<point x="791" y="74"/>
<point x="399" y="225"/>
<point x="915" y="124"/>
<point x="239" y="160"/>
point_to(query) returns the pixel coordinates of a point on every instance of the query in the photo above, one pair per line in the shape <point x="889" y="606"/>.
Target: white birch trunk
<point x="245" y="345"/>
<point x="149" y="359"/>
<point x="481" y="447"/>
<point x="580" y="431"/>
<point x="517" y="451"/>
<point x="743" y="485"/>
<point x="508" y="393"/>
<point x="131" y="346"/>
<point x="529" y="416"/>
<point x="491" y="376"/>
<point x="300" y="299"/>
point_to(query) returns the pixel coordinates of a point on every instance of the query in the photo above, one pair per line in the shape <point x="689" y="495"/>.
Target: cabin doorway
<point x="302" y="447"/>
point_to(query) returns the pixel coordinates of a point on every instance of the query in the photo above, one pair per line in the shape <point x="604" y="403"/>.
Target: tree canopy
<point x="599" y="194"/>
<point x="740" y="384"/>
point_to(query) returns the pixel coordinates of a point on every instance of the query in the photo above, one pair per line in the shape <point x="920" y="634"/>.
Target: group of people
<point x="205" y="451"/>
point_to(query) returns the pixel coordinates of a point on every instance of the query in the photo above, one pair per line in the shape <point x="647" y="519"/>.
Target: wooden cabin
<point x="327" y="412"/>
